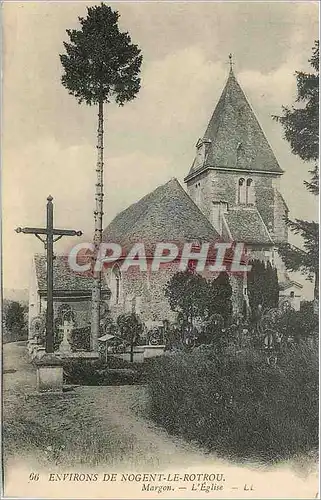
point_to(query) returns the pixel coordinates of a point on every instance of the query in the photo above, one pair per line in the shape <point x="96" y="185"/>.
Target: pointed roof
<point x="236" y="138"/>
<point x="166" y="214"/>
<point x="287" y="283"/>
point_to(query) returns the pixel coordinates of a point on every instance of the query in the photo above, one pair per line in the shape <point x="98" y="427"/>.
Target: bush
<point x="98" y="372"/>
<point x="238" y="405"/>
<point x="14" y="321"/>
<point x="300" y="324"/>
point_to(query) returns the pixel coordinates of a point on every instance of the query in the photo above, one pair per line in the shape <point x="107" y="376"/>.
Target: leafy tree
<point x="14" y="321"/>
<point x="301" y="130"/>
<point x="219" y="296"/>
<point x="187" y="294"/>
<point x="305" y="260"/>
<point x="194" y="297"/>
<point x="262" y="287"/>
<point x="130" y="328"/>
<point x="100" y="65"/>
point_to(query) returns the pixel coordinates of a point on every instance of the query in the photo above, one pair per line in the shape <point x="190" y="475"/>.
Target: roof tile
<point x="246" y="225"/>
<point x="166" y="214"/>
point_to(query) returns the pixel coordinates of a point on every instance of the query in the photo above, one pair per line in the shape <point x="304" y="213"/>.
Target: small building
<point x="71" y="291"/>
<point x="290" y="292"/>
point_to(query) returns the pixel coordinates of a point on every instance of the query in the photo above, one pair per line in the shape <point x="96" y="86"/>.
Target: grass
<point x="238" y="405"/>
<point x="60" y="429"/>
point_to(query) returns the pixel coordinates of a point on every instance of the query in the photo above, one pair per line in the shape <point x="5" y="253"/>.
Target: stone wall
<point x="81" y="308"/>
<point x="148" y="288"/>
<point x="280" y="211"/>
<point x="219" y="185"/>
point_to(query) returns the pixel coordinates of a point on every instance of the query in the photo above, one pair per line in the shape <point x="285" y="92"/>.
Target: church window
<point x="249" y="192"/>
<point x="292" y="294"/>
<point x="198" y="193"/>
<point x="242" y="191"/>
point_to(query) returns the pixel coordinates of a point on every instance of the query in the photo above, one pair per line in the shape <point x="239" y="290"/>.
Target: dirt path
<point x="105" y="429"/>
<point x="120" y="410"/>
<point x="125" y="406"/>
<point x="18" y="373"/>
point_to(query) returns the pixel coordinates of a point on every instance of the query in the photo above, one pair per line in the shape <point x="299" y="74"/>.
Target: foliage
<point x="100" y="61"/>
<point x="305" y="260"/>
<point x="186" y="292"/>
<point x="15" y="321"/>
<point x="236" y="404"/>
<point x="219" y="296"/>
<point x="81" y="338"/>
<point x="194" y="297"/>
<point x="95" y="373"/>
<point x="130" y="329"/>
<point x="301" y="130"/>
<point x="299" y="324"/>
<point x="301" y="123"/>
<point x="262" y="286"/>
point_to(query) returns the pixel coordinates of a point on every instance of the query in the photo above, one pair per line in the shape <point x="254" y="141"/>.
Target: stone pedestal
<point x="64" y="347"/>
<point x="49" y="374"/>
<point x="151" y="351"/>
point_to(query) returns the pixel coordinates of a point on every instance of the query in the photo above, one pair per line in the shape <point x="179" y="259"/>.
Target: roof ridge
<point x="162" y="186"/>
<point x="221" y="102"/>
<point x="264" y="225"/>
<point x="168" y="213"/>
<point x="254" y="115"/>
<point x="136" y="203"/>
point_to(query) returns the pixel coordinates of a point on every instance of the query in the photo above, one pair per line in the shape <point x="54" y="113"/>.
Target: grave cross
<point x="51" y="236"/>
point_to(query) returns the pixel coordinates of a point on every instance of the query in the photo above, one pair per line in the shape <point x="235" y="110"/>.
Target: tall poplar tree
<point x="100" y="65"/>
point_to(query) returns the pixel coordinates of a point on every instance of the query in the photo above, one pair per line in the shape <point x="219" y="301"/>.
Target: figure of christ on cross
<point x="51" y="236"/>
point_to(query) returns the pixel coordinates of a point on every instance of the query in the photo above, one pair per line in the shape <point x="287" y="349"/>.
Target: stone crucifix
<point x="66" y="329"/>
<point x="51" y="236"/>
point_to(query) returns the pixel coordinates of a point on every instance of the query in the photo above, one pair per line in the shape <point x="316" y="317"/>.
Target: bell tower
<point x="234" y="176"/>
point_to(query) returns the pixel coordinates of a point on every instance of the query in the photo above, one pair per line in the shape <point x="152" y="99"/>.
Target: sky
<point x="49" y="140"/>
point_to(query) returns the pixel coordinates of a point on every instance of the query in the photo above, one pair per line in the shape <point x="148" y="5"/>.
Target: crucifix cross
<point x="66" y="328"/>
<point x="51" y="236"/>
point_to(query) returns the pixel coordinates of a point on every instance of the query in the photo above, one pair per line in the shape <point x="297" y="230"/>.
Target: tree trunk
<point x="99" y="198"/>
<point x="132" y="352"/>
<point x="316" y="292"/>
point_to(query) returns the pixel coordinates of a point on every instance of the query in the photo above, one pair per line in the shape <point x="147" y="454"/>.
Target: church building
<point x="232" y="195"/>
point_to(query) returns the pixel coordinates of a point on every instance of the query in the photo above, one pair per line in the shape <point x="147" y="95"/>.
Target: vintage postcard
<point x="160" y="285"/>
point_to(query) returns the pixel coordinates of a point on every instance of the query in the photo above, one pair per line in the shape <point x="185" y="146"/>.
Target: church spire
<point x="233" y="138"/>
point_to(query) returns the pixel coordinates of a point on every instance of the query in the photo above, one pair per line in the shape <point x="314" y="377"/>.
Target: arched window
<point x="241" y="191"/>
<point x="115" y="284"/>
<point x="249" y="192"/>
